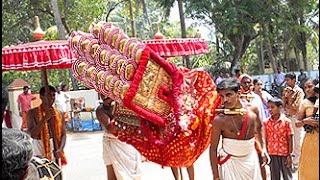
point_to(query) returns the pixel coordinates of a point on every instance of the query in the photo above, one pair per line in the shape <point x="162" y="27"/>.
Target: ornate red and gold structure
<point x="164" y="111"/>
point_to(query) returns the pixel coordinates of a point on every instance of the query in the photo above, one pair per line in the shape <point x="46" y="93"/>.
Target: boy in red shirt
<point x="279" y="140"/>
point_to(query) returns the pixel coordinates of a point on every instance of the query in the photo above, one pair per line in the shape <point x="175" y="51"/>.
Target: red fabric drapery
<point x="37" y="55"/>
<point x="178" y="47"/>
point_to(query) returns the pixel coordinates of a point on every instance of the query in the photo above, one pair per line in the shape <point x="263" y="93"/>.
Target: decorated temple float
<point x="164" y="111"/>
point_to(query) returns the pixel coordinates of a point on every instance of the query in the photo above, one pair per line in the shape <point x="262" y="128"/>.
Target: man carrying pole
<point x="47" y="128"/>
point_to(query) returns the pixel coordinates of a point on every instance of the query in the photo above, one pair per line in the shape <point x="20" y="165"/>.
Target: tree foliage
<point x="283" y="25"/>
<point x="263" y="33"/>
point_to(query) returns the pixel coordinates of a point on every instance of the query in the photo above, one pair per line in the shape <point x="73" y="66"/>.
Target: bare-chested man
<point x="122" y="160"/>
<point x="237" y="159"/>
<point x="47" y="128"/>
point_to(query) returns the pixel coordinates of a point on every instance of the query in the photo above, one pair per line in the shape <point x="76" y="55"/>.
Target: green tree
<point x="166" y="5"/>
<point x="234" y="19"/>
<point x="74" y="15"/>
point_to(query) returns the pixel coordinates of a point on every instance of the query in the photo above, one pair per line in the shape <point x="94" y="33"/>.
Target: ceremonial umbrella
<point x="39" y="55"/>
<point x="178" y="46"/>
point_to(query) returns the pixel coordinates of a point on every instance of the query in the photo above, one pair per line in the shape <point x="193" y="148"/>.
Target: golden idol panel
<point x="147" y="97"/>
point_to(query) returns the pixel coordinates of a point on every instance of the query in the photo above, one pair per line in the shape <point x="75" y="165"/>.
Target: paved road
<point x="84" y="154"/>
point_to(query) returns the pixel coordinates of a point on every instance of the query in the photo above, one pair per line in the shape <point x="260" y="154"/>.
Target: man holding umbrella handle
<point x="47" y="128"/>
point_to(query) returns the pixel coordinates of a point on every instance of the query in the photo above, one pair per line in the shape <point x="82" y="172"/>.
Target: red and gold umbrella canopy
<point x="178" y="47"/>
<point x="37" y="55"/>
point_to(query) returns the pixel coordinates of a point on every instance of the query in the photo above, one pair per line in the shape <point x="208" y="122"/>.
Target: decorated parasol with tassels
<point x="177" y="46"/>
<point x="38" y="55"/>
<point x="165" y="110"/>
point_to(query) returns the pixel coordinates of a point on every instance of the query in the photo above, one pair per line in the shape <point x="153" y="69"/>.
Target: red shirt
<point x="25" y="101"/>
<point x="277" y="135"/>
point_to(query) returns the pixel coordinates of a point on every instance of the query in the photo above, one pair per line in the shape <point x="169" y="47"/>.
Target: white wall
<point x="13" y="96"/>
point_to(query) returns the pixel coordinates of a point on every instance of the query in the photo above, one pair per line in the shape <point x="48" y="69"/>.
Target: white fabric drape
<point x="38" y="147"/>
<point x="16" y="121"/>
<point x="125" y="159"/>
<point x="244" y="162"/>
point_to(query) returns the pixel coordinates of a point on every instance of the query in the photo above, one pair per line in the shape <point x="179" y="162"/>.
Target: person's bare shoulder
<point x="99" y="108"/>
<point x="31" y="114"/>
<point x="253" y="108"/>
<point x="33" y="111"/>
<point x="100" y="111"/>
<point x="219" y="120"/>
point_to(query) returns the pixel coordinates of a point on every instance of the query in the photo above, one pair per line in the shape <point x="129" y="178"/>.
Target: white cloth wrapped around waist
<point x="38" y="147"/>
<point x="124" y="158"/>
<point x="108" y="136"/>
<point x="237" y="147"/>
<point x="243" y="163"/>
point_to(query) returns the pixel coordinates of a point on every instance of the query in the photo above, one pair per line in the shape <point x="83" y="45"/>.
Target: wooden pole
<point x="50" y="122"/>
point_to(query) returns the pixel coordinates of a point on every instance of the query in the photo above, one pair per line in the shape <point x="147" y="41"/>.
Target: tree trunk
<point x="271" y="56"/>
<point x="302" y="43"/>
<point x="64" y="16"/>
<point x="133" y="26"/>
<point x="110" y="8"/>
<point x="240" y="43"/>
<point x="274" y="64"/>
<point x="304" y="58"/>
<point x="60" y="26"/>
<point x="260" y="53"/>
<point x="182" y="19"/>
<point x="146" y="14"/>
<point x="286" y="51"/>
<point x="57" y="19"/>
<point x="183" y="30"/>
<point x="296" y="53"/>
<point x="303" y="49"/>
<point x="287" y="57"/>
<point x="73" y="80"/>
<point x="217" y="47"/>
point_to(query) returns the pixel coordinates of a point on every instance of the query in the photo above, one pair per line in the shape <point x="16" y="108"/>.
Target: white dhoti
<point x="243" y="163"/>
<point x="38" y="147"/>
<point x="124" y="158"/>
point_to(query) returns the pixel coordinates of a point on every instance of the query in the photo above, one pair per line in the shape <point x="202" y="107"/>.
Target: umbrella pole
<point x="46" y="86"/>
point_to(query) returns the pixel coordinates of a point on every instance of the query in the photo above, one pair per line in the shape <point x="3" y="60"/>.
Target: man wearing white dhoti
<point x="124" y="158"/>
<point x="243" y="162"/>
<point x="123" y="161"/>
<point x="237" y="123"/>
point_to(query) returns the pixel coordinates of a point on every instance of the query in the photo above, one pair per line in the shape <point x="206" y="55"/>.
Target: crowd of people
<point x="253" y="129"/>
<point x="290" y="125"/>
